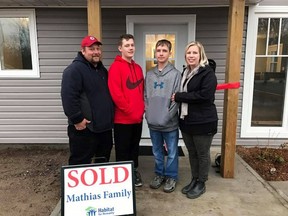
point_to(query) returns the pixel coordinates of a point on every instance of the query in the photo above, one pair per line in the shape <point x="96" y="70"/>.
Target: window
<point x="18" y="44"/>
<point x="150" y="42"/>
<point x="265" y="97"/>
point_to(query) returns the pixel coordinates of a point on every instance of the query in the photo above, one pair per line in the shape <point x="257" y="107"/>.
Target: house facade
<point x="38" y="40"/>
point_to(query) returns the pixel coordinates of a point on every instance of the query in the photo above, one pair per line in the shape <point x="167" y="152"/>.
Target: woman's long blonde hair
<point x="203" y="58"/>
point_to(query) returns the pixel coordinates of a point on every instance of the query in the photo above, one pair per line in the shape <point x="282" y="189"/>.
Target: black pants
<point x="84" y="145"/>
<point x="127" y="138"/>
<point x="198" y="147"/>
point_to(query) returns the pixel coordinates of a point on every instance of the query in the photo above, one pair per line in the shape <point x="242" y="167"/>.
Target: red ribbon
<point x="232" y="85"/>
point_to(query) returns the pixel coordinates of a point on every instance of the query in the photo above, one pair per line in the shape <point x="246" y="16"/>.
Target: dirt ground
<point x="30" y="178"/>
<point x="270" y="163"/>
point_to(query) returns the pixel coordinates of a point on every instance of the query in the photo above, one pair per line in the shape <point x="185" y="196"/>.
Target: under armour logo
<point x="160" y="85"/>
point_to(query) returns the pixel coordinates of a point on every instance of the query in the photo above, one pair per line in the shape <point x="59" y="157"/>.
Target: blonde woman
<point x="198" y="115"/>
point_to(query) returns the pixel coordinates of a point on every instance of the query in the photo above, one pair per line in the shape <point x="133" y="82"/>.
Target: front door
<point x="146" y="35"/>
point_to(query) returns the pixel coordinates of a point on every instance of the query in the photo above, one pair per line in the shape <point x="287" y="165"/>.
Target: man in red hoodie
<point x="126" y="85"/>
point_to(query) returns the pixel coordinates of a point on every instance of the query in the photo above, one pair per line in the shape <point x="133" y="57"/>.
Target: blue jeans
<point x="158" y="139"/>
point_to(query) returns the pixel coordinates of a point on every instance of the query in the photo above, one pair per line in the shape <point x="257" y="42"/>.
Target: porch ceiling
<point x="132" y="3"/>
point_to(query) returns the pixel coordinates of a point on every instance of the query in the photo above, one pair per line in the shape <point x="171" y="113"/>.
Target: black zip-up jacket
<point x="200" y="97"/>
<point x="85" y="94"/>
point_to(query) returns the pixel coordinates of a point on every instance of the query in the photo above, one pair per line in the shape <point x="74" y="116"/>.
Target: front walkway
<point x="247" y="194"/>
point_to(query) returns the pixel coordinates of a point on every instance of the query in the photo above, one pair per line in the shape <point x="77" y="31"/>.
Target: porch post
<point x="232" y="74"/>
<point x="94" y="18"/>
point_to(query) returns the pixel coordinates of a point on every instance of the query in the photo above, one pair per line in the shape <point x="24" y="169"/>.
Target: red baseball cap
<point x="89" y="40"/>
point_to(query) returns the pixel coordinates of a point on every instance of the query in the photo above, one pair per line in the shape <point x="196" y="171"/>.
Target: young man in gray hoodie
<point x="162" y="116"/>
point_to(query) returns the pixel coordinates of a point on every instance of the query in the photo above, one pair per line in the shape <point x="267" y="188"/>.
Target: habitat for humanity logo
<point x="90" y="211"/>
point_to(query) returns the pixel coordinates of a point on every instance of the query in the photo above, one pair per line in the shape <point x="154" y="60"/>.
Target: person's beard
<point x="95" y="59"/>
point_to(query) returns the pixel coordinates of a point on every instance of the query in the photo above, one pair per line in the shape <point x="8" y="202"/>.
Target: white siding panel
<point x="33" y="95"/>
<point x="34" y="115"/>
<point x="61" y="41"/>
<point x="31" y="140"/>
<point x="51" y="69"/>
<point x="61" y="27"/>
<point x="60" y="62"/>
<point x="57" y="48"/>
<point x="32" y="82"/>
<point x="30" y="121"/>
<point x="30" y="109"/>
<point x="70" y="34"/>
<point x="34" y="128"/>
<point x="38" y="102"/>
<point x="59" y="18"/>
<point x="33" y="134"/>
<point x="39" y="89"/>
<point x="52" y="75"/>
<point x="60" y="55"/>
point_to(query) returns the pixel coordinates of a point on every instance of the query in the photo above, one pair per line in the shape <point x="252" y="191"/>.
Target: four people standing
<point x="88" y="91"/>
<point x="162" y="116"/>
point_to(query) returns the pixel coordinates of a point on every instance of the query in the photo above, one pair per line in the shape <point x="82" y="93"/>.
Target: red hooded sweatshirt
<point x="126" y="85"/>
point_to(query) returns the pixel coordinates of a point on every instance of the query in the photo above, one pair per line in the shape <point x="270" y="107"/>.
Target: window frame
<point x="34" y="72"/>
<point x="248" y="131"/>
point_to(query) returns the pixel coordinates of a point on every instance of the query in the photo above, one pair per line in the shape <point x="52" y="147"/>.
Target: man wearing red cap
<point x="88" y="105"/>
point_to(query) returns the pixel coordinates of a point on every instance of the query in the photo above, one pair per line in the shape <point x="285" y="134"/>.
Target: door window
<point x="150" y="41"/>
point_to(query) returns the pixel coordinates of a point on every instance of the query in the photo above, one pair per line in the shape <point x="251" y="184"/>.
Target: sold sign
<point x="93" y="176"/>
<point x="98" y="189"/>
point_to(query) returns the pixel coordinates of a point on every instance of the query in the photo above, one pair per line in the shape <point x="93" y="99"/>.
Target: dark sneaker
<point x="138" y="180"/>
<point x="170" y="185"/>
<point x="157" y="182"/>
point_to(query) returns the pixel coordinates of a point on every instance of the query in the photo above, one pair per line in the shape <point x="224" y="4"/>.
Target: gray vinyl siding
<point x="31" y="111"/>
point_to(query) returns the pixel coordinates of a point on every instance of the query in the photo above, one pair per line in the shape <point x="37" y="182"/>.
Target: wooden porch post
<point x="94" y="18"/>
<point x="232" y="74"/>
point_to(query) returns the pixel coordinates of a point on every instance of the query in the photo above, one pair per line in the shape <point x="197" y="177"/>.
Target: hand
<point x="173" y="97"/>
<point x="82" y="125"/>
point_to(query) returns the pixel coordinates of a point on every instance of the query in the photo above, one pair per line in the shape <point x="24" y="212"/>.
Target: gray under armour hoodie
<point x="162" y="114"/>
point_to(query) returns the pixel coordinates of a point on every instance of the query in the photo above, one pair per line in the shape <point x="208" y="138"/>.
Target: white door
<point x="147" y="30"/>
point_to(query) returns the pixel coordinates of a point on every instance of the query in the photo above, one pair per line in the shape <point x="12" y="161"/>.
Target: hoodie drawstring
<point x="134" y="74"/>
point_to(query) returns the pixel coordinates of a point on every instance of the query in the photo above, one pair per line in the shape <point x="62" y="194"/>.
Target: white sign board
<point x="98" y="189"/>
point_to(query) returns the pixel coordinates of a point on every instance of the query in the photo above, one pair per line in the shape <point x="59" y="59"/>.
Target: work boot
<point x="189" y="186"/>
<point x="197" y="191"/>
